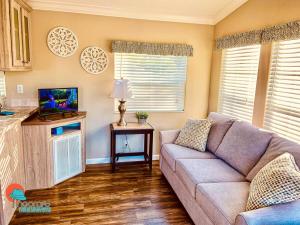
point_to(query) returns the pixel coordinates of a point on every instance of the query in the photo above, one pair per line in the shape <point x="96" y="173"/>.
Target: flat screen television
<point x="58" y="100"/>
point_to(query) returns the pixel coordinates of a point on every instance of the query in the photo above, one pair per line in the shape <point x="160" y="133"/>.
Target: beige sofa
<point x="214" y="185"/>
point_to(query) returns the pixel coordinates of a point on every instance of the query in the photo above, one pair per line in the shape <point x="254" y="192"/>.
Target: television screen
<point x="58" y="100"/>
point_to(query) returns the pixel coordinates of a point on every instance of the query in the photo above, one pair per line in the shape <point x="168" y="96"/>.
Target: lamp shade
<point x="121" y="89"/>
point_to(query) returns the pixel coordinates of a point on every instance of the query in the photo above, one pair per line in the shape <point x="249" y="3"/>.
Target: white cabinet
<point x="67" y="157"/>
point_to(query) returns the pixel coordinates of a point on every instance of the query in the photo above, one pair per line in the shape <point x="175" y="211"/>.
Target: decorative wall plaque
<point x="62" y="41"/>
<point x="93" y="60"/>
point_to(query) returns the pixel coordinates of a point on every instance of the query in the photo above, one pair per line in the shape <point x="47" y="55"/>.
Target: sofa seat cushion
<point x="220" y="126"/>
<point x="278" y="146"/>
<point x="243" y="146"/>
<point x="195" y="171"/>
<point x="172" y="152"/>
<point x="222" y="202"/>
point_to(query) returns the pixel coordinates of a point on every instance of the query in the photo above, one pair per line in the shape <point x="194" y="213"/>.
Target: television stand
<point x="51" y="157"/>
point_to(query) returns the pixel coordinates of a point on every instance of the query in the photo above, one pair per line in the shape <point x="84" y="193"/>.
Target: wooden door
<point x="11" y="165"/>
<point x="16" y="34"/>
<point x="6" y="175"/>
<point x="26" y="37"/>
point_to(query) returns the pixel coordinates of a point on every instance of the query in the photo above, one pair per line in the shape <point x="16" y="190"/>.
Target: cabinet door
<point x="11" y="165"/>
<point x="26" y="37"/>
<point x="75" y="154"/>
<point x="16" y="34"/>
<point x="6" y="177"/>
<point x="61" y="159"/>
<point x="67" y="157"/>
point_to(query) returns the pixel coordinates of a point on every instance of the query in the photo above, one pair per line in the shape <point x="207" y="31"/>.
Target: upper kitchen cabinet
<point x="15" y="40"/>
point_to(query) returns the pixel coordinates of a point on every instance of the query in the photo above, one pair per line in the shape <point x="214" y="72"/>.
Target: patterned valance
<point x="238" y="40"/>
<point x="275" y="33"/>
<point x="282" y="32"/>
<point x="152" y="48"/>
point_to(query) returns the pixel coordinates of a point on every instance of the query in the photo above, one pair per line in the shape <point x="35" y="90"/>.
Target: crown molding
<point x="73" y="6"/>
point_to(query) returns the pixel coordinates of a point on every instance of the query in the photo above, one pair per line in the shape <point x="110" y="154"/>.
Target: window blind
<point x="157" y="82"/>
<point x="238" y="81"/>
<point x="2" y="84"/>
<point x="282" y="113"/>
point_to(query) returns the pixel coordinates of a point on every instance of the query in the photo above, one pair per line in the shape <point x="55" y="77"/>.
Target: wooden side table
<point x="132" y="128"/>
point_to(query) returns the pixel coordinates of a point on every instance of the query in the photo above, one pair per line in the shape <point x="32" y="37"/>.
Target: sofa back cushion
<point x="278" y="146"/>
<point x="243" y="145"/>
<point x="219" y="128"/>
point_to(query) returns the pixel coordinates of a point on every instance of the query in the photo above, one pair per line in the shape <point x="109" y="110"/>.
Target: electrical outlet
<point x="20" y="89"/>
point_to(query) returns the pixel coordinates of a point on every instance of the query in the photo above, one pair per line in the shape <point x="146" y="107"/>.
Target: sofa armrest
<point x="288" y="213"/>
<point x="168" y="136"/>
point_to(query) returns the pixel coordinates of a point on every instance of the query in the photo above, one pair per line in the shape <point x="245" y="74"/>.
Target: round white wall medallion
<point x="93" y="60"/>
<point x="62" y="41"/>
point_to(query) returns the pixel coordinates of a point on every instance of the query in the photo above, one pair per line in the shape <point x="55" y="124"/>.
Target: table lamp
<point x="122" y="92"/>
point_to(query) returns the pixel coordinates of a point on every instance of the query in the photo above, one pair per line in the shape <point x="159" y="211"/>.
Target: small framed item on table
<point x="132" y="128"/>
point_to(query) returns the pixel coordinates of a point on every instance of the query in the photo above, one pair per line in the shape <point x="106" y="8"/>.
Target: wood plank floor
<point x="132" y="195"/>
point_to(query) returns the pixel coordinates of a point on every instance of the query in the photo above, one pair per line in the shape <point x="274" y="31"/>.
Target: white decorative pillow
<point x="194" y="134"/>
<point x="277" y="182"/>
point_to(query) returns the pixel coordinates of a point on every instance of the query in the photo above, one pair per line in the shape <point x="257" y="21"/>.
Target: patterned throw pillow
<point x="194" y="134"/>
<point x="277" y="182"/>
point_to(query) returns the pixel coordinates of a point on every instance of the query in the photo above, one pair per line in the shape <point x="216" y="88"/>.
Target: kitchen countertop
<point x="21" y="113"/>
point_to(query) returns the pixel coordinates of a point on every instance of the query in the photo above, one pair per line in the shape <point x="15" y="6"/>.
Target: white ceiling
<point x="186" y="11"/>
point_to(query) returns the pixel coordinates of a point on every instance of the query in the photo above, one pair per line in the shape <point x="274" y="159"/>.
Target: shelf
<point x="67" y="132"/>
<point x="125" y="159"/>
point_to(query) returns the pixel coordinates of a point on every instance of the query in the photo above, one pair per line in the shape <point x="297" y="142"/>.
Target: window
<point x="283" y="99"/>
<point x="157" y="82"/>
<point x="2" y="84"/>
<point x="238" y="81"/>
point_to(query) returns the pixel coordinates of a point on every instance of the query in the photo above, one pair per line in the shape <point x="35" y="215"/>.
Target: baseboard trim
<point x="97" y="161"/>
<point x="107" y="160"/>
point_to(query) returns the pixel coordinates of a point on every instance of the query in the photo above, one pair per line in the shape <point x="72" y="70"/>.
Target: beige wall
<point x="52" y="71"/>
<point x="252" y="15"/>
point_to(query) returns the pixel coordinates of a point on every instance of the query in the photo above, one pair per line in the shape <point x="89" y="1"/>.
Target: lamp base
<point x="122" y="110"/>
<point x="122" y="123"/>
